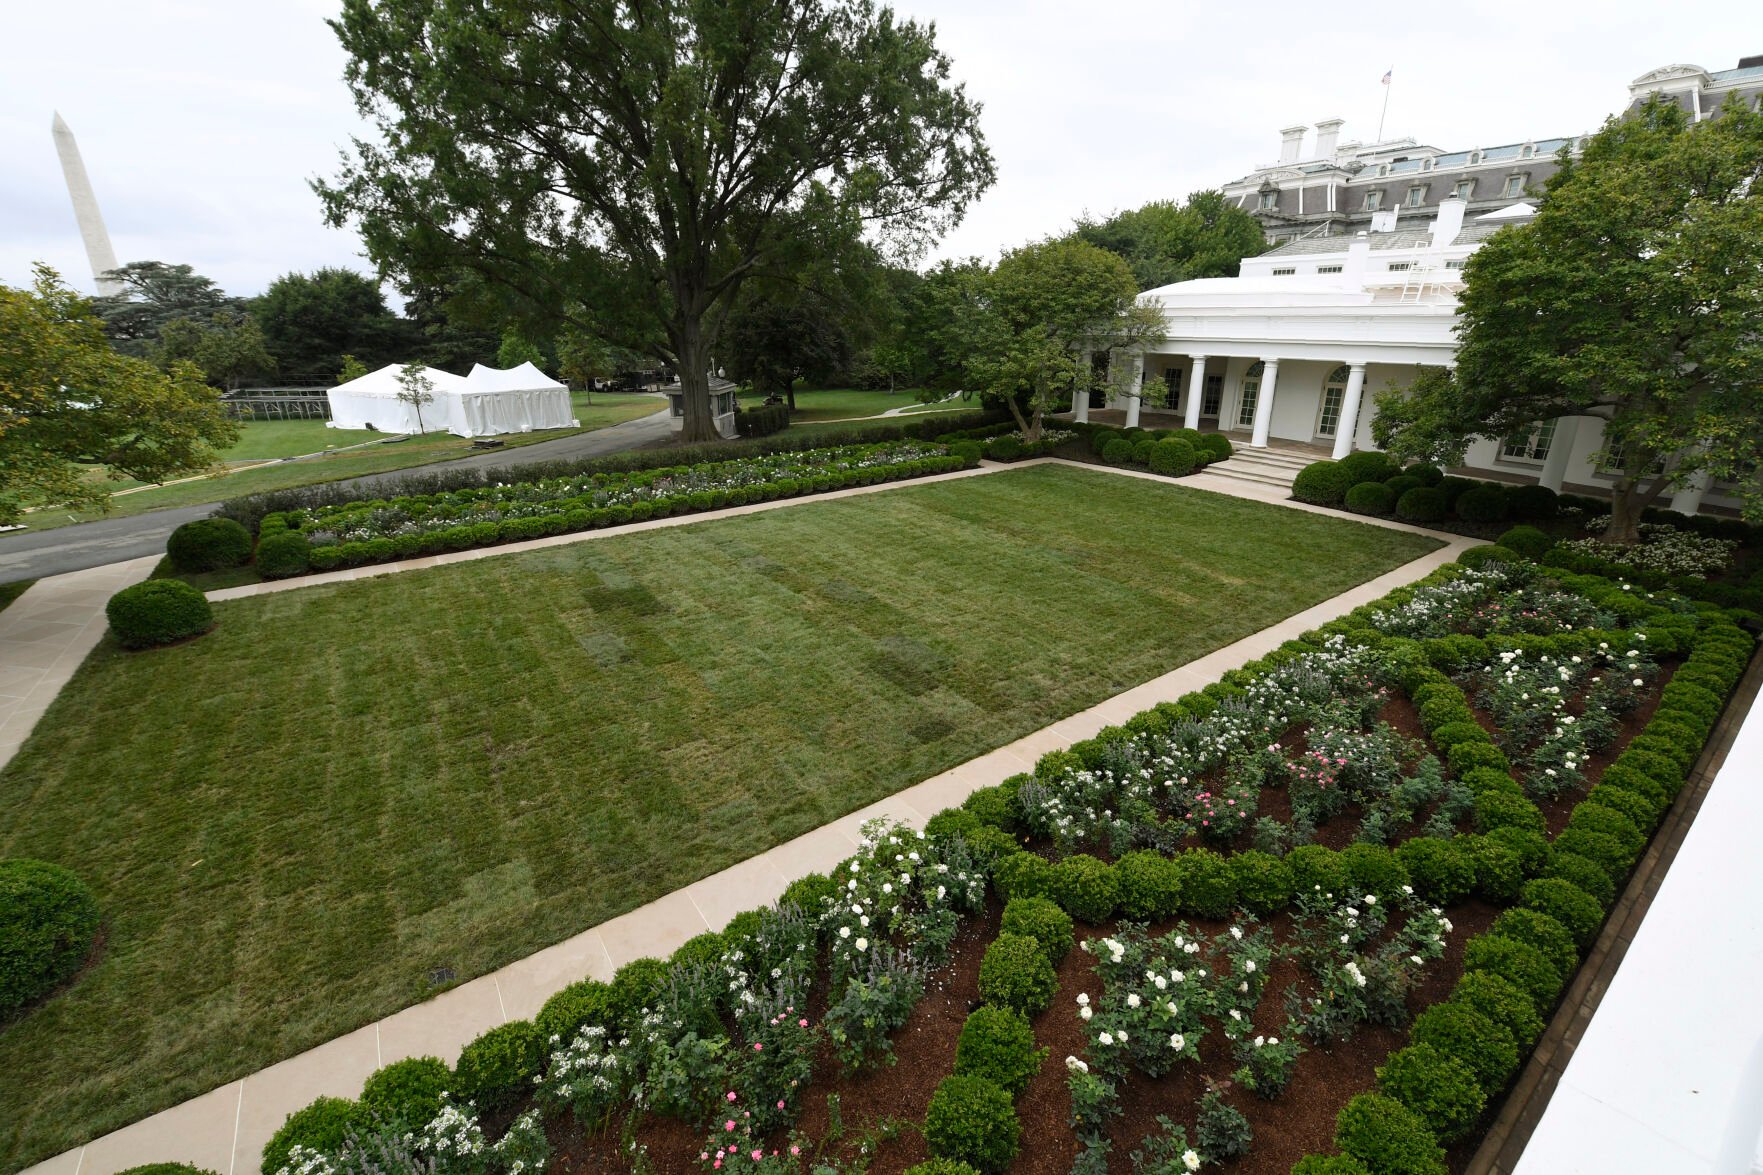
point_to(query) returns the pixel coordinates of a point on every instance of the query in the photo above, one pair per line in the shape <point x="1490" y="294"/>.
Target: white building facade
<point x="1295" y="349"/>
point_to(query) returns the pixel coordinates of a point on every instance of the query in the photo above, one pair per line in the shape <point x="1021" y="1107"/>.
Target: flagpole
<point x="1386" y="101"/>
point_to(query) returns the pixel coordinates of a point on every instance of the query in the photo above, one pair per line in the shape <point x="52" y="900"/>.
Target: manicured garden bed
<point x="1325" y="904"/>
<point x="292" y="821"/>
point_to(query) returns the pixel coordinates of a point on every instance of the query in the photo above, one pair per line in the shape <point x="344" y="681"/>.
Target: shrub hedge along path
<point x="455" y="769"/>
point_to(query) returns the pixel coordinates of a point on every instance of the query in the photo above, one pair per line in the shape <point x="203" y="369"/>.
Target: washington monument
<point x="85" y="210"/>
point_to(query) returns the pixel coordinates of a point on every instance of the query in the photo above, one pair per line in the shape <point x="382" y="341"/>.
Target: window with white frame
<point x="1514" y="186"/>
<point x="1334" y="391"/>
<point x="1457" y="264"/>
<point x="1171" y="388"/>
<point x="1400" y="266"/>
<point x="1328" y="269"/>
<point x="1373" y="201"/>
<point x="1251" y="394"/>
<point x="1212" y="398"/>
<point x="1269" y="201"/>
<point x="1416" y="197"/>
<point x="1464" y="189"/>
<point x="1285" y="271"/>
<point x="1530" y="445"/>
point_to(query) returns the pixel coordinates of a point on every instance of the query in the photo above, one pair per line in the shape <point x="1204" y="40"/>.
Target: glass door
<point x="1250" y="395"/>
<point x="1334" y="391"/>
<point x="1212" y="398"/>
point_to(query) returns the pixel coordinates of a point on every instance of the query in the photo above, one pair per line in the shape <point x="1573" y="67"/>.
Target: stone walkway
<point x="225" y="1130"/>
<point x="45" y="634"/>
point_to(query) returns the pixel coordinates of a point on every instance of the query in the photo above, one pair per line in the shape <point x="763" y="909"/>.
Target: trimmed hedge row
<point x="763" y="420"/>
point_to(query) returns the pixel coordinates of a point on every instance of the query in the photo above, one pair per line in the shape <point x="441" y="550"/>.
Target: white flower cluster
<point x="1663" y="548"/>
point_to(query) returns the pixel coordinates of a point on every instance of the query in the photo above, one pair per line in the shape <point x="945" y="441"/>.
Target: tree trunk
<point x="1628" y="500"/>
<point x="694" y="382"/>
<point x="790" y="393"/>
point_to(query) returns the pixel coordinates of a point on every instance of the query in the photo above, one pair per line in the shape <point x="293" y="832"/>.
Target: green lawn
<point x="290" y="821"/>
<point x="816" y="407"/>
<point x="12" y="591"/>
<point x="268" y="440"/>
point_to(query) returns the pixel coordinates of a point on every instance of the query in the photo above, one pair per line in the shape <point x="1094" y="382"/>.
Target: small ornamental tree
<point x="1631" y="297"/>
<point x="415" y="389"/>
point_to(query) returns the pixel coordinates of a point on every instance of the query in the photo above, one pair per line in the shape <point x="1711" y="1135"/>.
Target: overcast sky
<point x="201" y="120"/>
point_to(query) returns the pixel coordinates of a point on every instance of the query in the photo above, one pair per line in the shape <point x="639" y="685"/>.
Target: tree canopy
<point x="155" y="293"/>
<point x="1166" y="241"/>
<point x="229" y="347"/>
<point x="1029" y="326"/>
<point x="640" y="161"/>
<point x="1633" y="297"/>
<point x="68" y="399"/>
<point x="310" y="321"/>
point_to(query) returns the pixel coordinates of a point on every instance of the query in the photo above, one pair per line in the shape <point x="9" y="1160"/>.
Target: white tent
<point x="519" y="399"/>
<point x="488" y="402"/>
<point x="371" y="401"/>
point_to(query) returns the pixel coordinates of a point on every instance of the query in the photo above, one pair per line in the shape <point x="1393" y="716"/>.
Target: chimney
<point x="1291" y="142"/>
<point x="1328" y="133"/>
<point x="1358" y="258"/>
<point x="1449" y="222"/>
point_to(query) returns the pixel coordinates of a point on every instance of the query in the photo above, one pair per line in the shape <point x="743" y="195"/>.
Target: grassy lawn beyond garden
<point x="291" y="821"/>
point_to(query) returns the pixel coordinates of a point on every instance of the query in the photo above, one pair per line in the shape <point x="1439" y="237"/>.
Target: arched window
<point x="1334" y="391"/>
<point x="1250" y="394"/>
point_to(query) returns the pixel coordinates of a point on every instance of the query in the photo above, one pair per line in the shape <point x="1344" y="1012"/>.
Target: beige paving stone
<point x="56" y="633"/>
<point x="17" y="681"/>
<point x="198" y="1131"/>
<point x="526" y="985"/>
<point x="894" y="807"/>
<point x="755" y="882"/>
<point x="947" y="790"/>
<point x="813" y="852"/>
<point x="336" y="1068"/>
<point x="653" y="931"/>
<point x="442" y="1026"/>
<point x="49" y="608"/>
<point x="65" y="1163"/>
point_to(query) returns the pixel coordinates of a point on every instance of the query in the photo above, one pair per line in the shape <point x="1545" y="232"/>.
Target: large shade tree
<point x="1166" y="241"/>
<point x="311" y="320"/>
<point x="1635" y="297"/>
<point x="154" y="294"/>
<point x="68" y="401"/>
<point x="1032" y="324"/>
<point x="641" y="160"/>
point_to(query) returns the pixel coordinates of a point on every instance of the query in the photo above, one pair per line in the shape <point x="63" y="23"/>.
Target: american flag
<point x="1386" y="76"/>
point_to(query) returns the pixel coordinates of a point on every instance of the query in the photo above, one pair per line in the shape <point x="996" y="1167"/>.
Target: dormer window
<point x="1526" y="151"/>
<point x="1373" y="201"/>
<point x="1514" y="186"/>
<point x="1269" y="201"/>
<point x="1416" y="197"/>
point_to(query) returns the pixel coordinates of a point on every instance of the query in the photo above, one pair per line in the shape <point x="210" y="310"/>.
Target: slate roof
<point x="1404" y="238"/>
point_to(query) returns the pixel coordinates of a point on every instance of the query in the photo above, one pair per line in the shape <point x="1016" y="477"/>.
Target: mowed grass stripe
<point x="292" y="820"/>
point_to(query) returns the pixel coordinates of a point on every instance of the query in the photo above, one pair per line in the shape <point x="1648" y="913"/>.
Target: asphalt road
<point x="34" y="554"/>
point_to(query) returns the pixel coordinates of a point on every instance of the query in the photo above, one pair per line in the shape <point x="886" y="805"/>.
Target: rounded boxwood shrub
<point x="1482" y="504"/>
<point x="1330" y="1165"/>
<point x="1388" y="1137"/>
<point x="322" y="1126"/>
<point x="1440" y="1089"/>
<point x="1437" y="869"/>
<point x="208" y="544"/>
<point x="158" y="612"/>
<point x="972" y="1120"/>
<point x="1605" y="851"/>
<point x="1528" y="968"/>
<point x="990" y="844"/>
<point x="1086" y="887"/>
<point x="584" y="1002"/>
<point x="1208" y="884"/>
<point x="1150" y="885"/>
<point x="1496" y="810"/>
<point x="634" y="985"/>
<point x="951" y="822"/>
<point x="284" y="554"/>
<point x="1421" y="504"/>
<point x="1567" y="904"/>
<point x="1118" y="451"/>
<point x="1533" y="501"/>
<point x="1367" y="465"/>
<point x="1263" y="883"/>
<point x="1004" y="448"/>
<point x="1322" y="483"/>
<point x="1498" y="872"/>
<point x="1595" y="817"/>
<point x="1641" y="808"/>
<point x="703" y="950"/>
<point x="1316" y="869"/>
<point x="1454" y="488"/>
<point x="1527" y="844"/>
<point x="48" y="918"/>
<point x="1373" y="869"/>
<point x="1429" y="475"/>
<point x="1042" y="920"/>
<point x="1584" y="872"/>
<point x="1527" y="541"/>
<point x="167" y="1169"/>
<point x="1015" y="974"/>
<point x="1371" y="497"/>
<point x="1218" y="445"/>
<point x="941" y="1167"/>
<point x="1173" y="457"/>
<point x="998" y="1045"/>
<point x="407" y="1092"/>
<point x="497" y="1069"/>
<point x="1401" y="483"/>
<point x="1100" y="436"/>
<point x="1485" y="1048"/>
<point x="1465" y="757"/>
<point x="1546" y="934"/>
<point x="1022" y="875"/>
<point x="993" y="805"/>
<point x="1503" y="1002"/>
<point x="809" y="893"/>
<point x="1141" y="450"/>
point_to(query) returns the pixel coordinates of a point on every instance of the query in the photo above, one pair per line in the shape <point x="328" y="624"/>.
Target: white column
<point x="1688" y="499"/>
<point x="1560" y="453"/>
<point x="1080" y="389"/>
<point x="1135" y="390"/>
<point x="1196" y="390"/>
<point x="1348" y="424"/>
<point x="1264" y="403"/>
